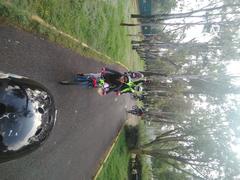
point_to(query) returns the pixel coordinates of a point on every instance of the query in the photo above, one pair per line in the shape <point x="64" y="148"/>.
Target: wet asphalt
<point x="86" y="124"/>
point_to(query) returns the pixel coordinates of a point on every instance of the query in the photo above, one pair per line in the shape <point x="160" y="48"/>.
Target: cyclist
<point x="133" y="86"/>
<point x="140" y="97"/>
<point x="130" y="88"/>
<point x="137" y="111"/>
<point x="114" y="79"/>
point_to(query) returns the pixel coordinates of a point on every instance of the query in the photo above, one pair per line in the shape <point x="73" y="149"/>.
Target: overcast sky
<point x="196" y="32"/>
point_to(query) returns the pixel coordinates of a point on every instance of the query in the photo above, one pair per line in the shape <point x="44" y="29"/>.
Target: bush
<point x="131" y="136"/>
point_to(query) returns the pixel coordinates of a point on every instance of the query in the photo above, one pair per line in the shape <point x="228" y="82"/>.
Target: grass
<point x="95" y="23"/>
<point x="117" y="163"/>
<point x="146" y="168"/>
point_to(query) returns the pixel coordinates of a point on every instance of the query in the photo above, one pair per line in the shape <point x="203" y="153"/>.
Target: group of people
<point x="127" y="82"/>
<point x="110" y="80"/>
<point x="137" y="111"/>
<point x="120" y="83"/>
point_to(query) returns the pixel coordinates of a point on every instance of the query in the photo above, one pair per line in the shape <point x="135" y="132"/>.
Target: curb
<point x="43" y="23"/>
<point x="124" y="66"/>
<point x="53" y="28"/>
<point x="62" y="33"/>
<point x="107" y="154"/>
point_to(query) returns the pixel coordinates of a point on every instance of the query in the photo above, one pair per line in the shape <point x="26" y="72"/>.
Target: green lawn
<point x="95" y="23"/>
<point x="116" y="166"/>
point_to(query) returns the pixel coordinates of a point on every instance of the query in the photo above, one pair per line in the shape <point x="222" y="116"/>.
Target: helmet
<point x="136" y="75"/>
<point x="138" y="88"/>
<point x="27" y="116"/>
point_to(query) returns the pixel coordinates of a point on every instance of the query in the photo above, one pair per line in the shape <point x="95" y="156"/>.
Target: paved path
<point x="86" y="123"/>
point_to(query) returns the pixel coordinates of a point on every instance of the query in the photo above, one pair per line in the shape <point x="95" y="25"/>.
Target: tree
<point x="199" y="147"/>
<point x="193" y="120"/>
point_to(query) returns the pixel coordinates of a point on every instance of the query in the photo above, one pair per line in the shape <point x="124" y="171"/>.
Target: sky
<point x="194" y="31"/>
<point x="233" y="68"/>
